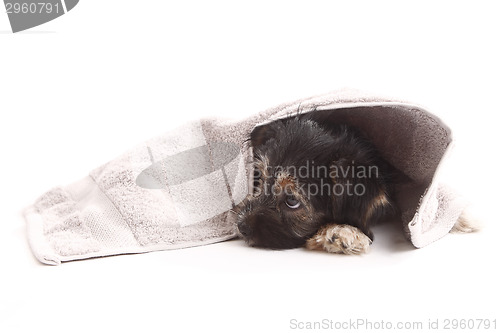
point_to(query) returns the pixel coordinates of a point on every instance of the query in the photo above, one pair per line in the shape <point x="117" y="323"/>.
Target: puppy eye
<point x="292" y="202"/>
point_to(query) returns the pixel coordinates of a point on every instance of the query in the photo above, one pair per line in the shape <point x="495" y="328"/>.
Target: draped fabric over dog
<point x="177" y="190"/>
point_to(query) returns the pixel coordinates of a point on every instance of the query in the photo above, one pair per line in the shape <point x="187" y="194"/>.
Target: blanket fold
<point x="179" y="189"/>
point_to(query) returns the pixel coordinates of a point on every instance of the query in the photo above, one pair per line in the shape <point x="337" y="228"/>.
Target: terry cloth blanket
<point x="177" y="190"/>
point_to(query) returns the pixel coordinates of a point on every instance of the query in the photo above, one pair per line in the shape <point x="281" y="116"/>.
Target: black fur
<point x="313" y="155"/>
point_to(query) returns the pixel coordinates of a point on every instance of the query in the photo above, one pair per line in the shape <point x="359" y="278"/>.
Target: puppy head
<point x="287" y="206"/>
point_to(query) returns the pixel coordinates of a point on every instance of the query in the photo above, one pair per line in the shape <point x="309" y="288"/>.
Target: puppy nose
<point x="244" y="229"/>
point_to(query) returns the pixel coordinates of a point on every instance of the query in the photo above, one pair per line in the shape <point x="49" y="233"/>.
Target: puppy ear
<point x="261" y="134"/>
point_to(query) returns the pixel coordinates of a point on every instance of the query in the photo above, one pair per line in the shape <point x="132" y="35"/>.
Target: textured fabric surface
<point x="177" y="190"/>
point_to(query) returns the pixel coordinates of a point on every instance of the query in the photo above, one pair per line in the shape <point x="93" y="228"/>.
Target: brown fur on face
<point x="293" y="202"/>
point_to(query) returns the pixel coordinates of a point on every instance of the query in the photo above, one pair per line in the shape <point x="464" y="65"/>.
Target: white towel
<point x="178" y="190"/>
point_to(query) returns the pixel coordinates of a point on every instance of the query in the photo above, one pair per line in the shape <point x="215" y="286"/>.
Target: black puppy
<point x="315" y="184"/>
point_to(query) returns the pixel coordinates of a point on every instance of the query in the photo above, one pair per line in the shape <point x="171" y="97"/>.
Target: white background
<point x="78" y="91"/>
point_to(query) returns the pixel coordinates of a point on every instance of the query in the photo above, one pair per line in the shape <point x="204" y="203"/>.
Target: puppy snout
<point x="244" y="229"/>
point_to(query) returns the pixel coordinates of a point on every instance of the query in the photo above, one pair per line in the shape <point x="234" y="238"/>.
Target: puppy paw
<point x="339" y="238"/>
